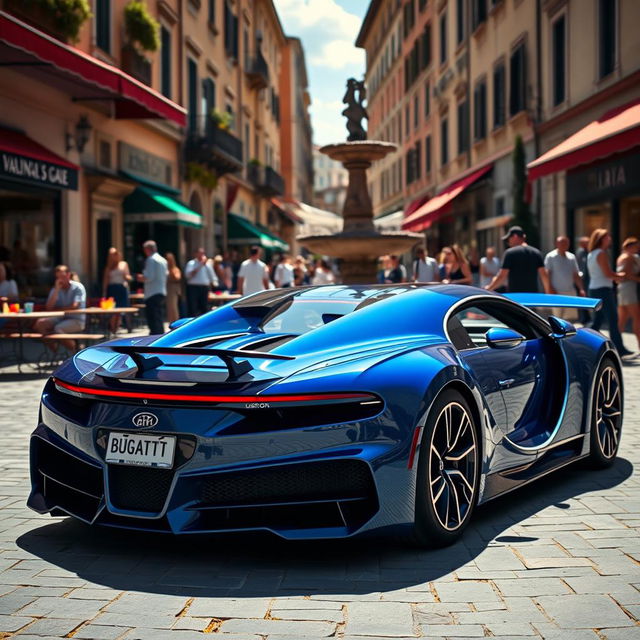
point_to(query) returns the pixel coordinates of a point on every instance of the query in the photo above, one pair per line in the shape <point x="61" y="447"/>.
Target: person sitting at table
<point x="115" y="284"/>
<point x="67" y="294"/>
<point x="8" y="286"/>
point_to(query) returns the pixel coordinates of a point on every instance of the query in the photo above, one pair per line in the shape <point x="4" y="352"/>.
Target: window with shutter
<point x="103" y="24"/>
<point x="480" y="111"/>
<point x="444" y="141"/>
<point x="427" y="155"/>
<point x="192" y="104"/>
<point x="518" y="81"/>
<point x="607" y="36"/>
<point x="463" y="126"/>
<point x="558" y="51"/>
<point x="443" y="38"/>
<point x="499" y="96"/>
<point x="426" y="46"/>
<point x="165" y="62"/>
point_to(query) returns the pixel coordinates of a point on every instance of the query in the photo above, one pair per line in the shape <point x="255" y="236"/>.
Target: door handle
<point x="508" y="381"/>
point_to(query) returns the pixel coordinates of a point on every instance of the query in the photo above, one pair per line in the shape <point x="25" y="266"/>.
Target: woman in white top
<point x="8" y="286"/>
<point x="628" y="304"/>
<point x="323" y="273"/>
<point x="115" y="283"/>
<point x="601" y="279"/>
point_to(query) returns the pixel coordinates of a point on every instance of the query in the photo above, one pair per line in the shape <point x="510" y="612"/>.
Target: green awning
<point x="241" y="231"/>
<point x="150" y="205"/>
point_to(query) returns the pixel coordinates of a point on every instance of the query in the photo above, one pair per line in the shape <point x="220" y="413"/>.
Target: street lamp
<point x="81" y="137"/>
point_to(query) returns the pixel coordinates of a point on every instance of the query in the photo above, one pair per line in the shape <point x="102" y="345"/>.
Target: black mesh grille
<point x="139" y="488"/>
<point x="331" y="480"/>
<point x="67" y="469"/>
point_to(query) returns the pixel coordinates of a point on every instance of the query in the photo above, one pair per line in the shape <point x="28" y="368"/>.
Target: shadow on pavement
<point x="243" y="565"/>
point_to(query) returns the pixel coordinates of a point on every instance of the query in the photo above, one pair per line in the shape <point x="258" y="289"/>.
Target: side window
<point x="468" y="326"/>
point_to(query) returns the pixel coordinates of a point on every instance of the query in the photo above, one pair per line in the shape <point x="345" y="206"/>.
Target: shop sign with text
<point x="144" y="164"/>
<point x="605" y="180"/>
<point x="39" y="172"/>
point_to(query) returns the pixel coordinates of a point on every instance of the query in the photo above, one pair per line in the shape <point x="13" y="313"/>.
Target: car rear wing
<point x="236" y="361"/>
<point x="548" y="300"/>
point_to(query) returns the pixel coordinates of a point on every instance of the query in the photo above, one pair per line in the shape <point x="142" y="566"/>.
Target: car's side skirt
<point x="499" y="484"/>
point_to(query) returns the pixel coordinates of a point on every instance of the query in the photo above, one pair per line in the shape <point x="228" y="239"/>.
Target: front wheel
<point x="448" y="472"/>
<point x="606" y="416"/>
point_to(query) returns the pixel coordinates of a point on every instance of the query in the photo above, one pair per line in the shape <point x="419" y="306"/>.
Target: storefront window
<point x="27" y="232"/>
<point x="629" y="217"/>
<point x="596" y="216"/>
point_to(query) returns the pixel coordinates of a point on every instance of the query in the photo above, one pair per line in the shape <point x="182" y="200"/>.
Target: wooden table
<point x="104" y="314"/>
<point x="21" y="320"/>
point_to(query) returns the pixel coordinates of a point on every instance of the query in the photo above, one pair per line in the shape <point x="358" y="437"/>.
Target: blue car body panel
<point x="318" y="467"/>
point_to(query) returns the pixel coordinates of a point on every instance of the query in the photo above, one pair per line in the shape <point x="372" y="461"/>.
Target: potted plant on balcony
<point x="195" y="172"/>
<point x="142" y="35"/>
<point x="221" y="119"/>
<point x="61" y="19"/>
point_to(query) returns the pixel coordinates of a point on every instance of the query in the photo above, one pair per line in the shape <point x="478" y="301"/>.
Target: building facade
<point x="108" y="139"/>
<point x="472" y="76"/>
<point x="330" y="180"/>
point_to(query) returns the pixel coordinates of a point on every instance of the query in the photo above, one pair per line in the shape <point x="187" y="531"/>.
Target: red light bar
<point x="183" y="397"/>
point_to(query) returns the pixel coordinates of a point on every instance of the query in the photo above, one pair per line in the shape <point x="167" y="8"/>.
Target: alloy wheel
<point x="608" y="411"/>
<point x="452" y="466"/>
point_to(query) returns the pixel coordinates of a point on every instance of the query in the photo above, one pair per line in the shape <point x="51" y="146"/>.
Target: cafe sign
<point x="36" y="171"/>
<point x="605" y="180"/>
<point x="143" y="164"/>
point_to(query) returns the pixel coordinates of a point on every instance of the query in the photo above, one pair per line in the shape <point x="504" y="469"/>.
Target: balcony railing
<point x="257" y="71"/>
<point x="216" y="148"/>
<point x="136" y="65"/>
<point x="266" y="180"/>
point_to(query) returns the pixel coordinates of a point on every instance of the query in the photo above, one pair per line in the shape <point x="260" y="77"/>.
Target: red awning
<point x="440" y="205"/>
<point x="80" y="75"/>
<point x="24" y="159"/>
<point x="414" y="204"/>
<point x="617" y="130"/>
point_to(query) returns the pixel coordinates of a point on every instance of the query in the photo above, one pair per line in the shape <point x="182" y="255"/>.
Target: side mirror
<point x="503" y="338"/>
<point x="561" y="328"/>
<point x="178" y="323"/>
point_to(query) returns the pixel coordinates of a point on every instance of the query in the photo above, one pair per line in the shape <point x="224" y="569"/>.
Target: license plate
<point x="141" y="449"/>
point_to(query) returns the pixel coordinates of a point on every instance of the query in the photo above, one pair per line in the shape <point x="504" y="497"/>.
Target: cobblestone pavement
<point x="558" y="559"/>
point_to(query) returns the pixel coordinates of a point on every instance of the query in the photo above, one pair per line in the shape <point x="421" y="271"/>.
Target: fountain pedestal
<point x="359" y="245"/>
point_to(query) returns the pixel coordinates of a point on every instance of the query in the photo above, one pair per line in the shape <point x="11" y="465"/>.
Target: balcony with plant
<point x="62" y="19"/>
<point x="211" y="144"/>
<point x="142" y="36"/>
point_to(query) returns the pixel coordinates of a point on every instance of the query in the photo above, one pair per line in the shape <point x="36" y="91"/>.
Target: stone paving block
<point x="625" y="633"/>
<point x="584" y="611"/>
<point x="290" y="603"/>
<point x="453" y="631"/>
<point x="14" y="601"/>
<point x="9" y="624"/>
<point x="99" y="632"/>
<point x="230" y="608"/>
<point x="531" y="587"/>
<point x="466" y="592"/>
<point x="379" y="618"/>
<point x="52" y="627"/>
<point x="281" y="627"/>
<point x="132" y="620"/>
<point x="306" y="614"/>
<point x="187" y="623"/>
<point x="63" y="608"/>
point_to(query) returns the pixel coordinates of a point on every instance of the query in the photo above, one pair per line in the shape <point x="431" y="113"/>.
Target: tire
<point x="448" y="472"/>
<point x="606" y="416"/>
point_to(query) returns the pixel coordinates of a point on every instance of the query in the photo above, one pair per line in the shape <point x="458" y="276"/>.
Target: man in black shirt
<point x="521" y="265"/>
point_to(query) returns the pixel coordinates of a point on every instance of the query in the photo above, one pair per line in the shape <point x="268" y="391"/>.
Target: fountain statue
<point x="358" y="245"/>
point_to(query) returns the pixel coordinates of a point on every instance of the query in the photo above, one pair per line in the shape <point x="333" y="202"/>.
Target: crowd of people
<point x="171" y="293"/>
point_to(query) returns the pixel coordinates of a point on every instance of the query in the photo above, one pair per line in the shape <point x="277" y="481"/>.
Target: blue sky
<point x="328" y="29"/>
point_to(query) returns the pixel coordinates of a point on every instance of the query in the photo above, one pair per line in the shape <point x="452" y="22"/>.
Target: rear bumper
<point x="335" y="493"/>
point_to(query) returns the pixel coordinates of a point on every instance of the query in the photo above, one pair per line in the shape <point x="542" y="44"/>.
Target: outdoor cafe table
<point x="21" y="320"/>
<point x="103" y="314"/>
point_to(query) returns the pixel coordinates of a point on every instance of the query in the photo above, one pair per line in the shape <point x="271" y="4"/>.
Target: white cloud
<point x="328" y="123"/>
<point x="338" y="54"/>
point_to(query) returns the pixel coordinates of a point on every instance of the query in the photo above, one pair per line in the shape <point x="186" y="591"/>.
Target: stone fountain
<point x="358" y="245"/>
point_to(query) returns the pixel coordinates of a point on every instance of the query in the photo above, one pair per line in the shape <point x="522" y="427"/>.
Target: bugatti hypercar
<point x="326" y="412"/>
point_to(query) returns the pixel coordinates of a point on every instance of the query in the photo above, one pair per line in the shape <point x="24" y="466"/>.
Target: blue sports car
<point x="325" y="412"/>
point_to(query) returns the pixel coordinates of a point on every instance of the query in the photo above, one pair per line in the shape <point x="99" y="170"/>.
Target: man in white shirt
<point x="284" y="272"/>
<point x="253" y="275"/>
<point x="489" y="266"/>
<point x="564" y="275"/>
<point x="200" y="276"/>
<point x="425" y="269"/>
<point x="154" y="277"/>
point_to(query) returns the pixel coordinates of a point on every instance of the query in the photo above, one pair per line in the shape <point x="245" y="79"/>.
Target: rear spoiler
<point x="234" y="360"/>
<point x="548" y="300"/>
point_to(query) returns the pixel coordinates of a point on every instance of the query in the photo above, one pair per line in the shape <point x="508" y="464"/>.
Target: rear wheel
<point x="448" y="470"/>
<point x="606" y="416"/>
